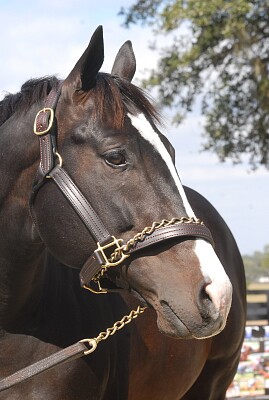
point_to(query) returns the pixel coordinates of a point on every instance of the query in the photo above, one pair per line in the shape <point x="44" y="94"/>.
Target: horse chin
<point x="170" y="324"/>
<point x="174" y="330"/>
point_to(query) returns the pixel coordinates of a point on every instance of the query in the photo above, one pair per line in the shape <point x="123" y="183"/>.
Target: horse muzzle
<point x="191" y="295"/>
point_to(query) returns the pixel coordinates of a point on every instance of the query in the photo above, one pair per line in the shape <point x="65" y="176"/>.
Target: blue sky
<point x="47" y="37"/>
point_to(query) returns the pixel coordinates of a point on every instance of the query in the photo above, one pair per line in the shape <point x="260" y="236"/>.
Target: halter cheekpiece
<point x="110" y="251"/>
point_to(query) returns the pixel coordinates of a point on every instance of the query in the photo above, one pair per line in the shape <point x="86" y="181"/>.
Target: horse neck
<point x="21" y="250"/>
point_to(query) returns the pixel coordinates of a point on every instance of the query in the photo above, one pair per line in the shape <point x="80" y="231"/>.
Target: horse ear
<point x="83" y="75"/>
<point x="125" y="65"/>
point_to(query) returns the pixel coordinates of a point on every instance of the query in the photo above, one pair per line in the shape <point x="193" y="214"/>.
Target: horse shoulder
<point x="18" y="351"/>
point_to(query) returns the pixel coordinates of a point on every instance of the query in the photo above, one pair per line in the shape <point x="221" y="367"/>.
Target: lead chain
<point x="120" y="324"/>
<point x="149" y="230"/>
<point x="110" y="331"/>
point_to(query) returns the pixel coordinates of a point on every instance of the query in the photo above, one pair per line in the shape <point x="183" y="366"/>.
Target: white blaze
<point x="220" y="289"/>
<point x="147" y="132"/>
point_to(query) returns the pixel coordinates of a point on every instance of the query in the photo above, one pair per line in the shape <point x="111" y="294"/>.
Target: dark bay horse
<point x="102" y="158"/>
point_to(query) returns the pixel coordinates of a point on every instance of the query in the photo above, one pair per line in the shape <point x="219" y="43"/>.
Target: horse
<point x="95" y="222"/>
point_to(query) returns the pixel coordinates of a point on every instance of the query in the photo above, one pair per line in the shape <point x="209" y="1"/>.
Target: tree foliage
<point x="219" y="50"/>
<point x="257" y="265"/>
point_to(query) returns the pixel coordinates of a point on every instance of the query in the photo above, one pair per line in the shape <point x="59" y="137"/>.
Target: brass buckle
<point x="98" y="288"/>
<point x="101" y="249"/>
<point x="51" y="119"/>
<point x="106" y="264"/>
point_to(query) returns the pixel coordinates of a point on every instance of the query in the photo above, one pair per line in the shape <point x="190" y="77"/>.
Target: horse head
<point x="110" y="146"/>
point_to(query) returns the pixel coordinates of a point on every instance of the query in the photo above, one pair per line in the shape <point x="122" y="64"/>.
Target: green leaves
<point x="257" y="265"/>
<point x="220" y="49"/>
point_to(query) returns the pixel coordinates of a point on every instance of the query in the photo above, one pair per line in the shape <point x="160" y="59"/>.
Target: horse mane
<point x="31" y="91"/>
<point x="111" y="94"/>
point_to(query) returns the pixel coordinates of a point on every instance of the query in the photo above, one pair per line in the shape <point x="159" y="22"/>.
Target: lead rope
<point x="70" y="353"/>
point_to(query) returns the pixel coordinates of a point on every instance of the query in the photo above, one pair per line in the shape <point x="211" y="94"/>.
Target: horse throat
<point x="21" y="250"/>
<point x="20" y="294"/>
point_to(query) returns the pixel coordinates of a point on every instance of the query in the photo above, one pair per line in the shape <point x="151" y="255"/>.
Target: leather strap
<point x="172" y="231"/>
<point x="80" y="205"/>
<point x="70" y="353"/>
<point x="47" y="141"/>
<point x="100" y="233"/>
<point x="94" y="262"/>
<point x="48" y="149"/>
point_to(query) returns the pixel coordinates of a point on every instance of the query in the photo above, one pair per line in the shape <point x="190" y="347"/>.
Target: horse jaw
<point x="188" y="288"/>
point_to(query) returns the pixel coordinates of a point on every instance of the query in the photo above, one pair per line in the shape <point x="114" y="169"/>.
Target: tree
<point x="257" y="265"/>
<point x="220" y="51"/>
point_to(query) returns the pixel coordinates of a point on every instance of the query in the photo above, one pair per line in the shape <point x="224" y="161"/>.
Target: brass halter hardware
<point x="110" y="251"/>
<point x="37" y="129"/>
<point x="82" y="348"/>
<point x="95" y="267"/>
<point x="112" y="261"/>
<point x="101" y="252"/>
<point x="60" y="162"/>
<point x="121" y="251"/>
<point x="93" y="343"/>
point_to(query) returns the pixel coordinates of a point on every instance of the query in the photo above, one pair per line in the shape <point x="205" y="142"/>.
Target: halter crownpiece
<point x="110" y="251"/>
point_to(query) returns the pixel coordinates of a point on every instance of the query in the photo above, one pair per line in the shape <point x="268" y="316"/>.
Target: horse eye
<point x="116" y="159"/>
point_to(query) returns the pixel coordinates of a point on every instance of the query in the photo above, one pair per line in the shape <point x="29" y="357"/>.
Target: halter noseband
<point x="110" y="250"/>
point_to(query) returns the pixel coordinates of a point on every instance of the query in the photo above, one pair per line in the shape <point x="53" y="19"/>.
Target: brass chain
<point x="92" y="343"/>
<point x="150" y="229"/>
<point x="116" y="255"/>
<point x="120" y="324"/>
<point x="110" y="331"/>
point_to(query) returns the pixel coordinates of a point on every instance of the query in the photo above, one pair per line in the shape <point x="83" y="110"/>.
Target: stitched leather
<point x="178" y="230"/>
<point x="42" y="123"/>
<point x="68" y="354"/>
<point x="89" y="270"/>
<point x="93" y="264"/>
<point x="95" y="227"/>
<point x="86" y="211"/>
<point x="81" y="205"/>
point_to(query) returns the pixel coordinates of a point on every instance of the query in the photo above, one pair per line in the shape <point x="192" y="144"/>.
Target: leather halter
<point x="45" y="128"/>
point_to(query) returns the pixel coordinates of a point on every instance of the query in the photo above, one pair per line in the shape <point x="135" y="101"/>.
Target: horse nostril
<point x="205" y="302"/>
<point x="204" y="296"/>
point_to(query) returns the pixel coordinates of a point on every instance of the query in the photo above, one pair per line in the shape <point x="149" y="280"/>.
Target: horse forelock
<point x="31" y="92"/>
<point x="112" y="98"/>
